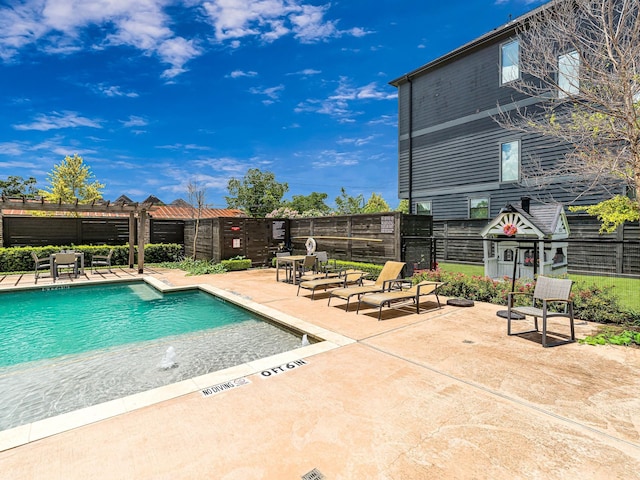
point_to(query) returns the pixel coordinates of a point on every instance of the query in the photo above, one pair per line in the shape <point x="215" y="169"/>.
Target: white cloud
<point x="57" y="120"/>
<point x="240" y="73"/>
<point x="11" y="148"/>
<point x="114" y="91"/>
<point x="273" y="93"/>
<point x="358" y="142"/>
<point x="58" y="27"/>
<point x="332" y="158"/>
<point x="135" y="121"/>
<point x="181" y="146"/>
<point x="339" y="105"/>
<point x="306" y="72"/>
<point x="270" y="20"/>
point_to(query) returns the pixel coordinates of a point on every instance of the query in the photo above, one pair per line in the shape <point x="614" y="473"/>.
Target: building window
<point x="510" y="161"/>
<point x="568" y="74"/>
<point x="424" y="208"/>
<point x="478" y="208"/>
<point x="509" y="62"/>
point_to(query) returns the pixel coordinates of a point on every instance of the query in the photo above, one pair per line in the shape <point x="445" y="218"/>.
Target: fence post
<point x="620" y="249"/>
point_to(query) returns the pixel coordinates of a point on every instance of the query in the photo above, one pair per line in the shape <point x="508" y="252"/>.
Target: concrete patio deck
<point x="445" y="395"/>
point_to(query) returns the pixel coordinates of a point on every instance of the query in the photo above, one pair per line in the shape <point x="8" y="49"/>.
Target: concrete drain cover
<point x="313" y="475"/>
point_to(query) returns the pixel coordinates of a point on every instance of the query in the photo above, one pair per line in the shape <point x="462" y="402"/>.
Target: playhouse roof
<point x="542" y="220"/>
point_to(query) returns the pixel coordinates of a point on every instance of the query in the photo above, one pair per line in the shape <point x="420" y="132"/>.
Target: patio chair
<point x="390" y="271"/>
<point x="391" y="296"/>
<point x="101" y="261"/>
<point x="348" y="277"/>
<point x="307" y="269"/>
<point x="40" y="264"/>
<point x="65" y="260"/>
<point x="548" y="292"/>
<point x="287" y="268"/>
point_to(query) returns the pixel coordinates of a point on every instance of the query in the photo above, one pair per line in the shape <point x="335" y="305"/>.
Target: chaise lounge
<point x="414" y="293"/>
<point x="349" y="277"/>
<point x="390" y="271"/>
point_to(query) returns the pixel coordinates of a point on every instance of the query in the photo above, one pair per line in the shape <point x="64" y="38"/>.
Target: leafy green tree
<point x="257" y="193"/>
<point x="312" y="202"/>
<point x="376" y="204"/>
<point x="15" y="186"/>
<point x="348" y="205"/>
<point x="403" y="206"/>
<point x="70" y="179"/>
<point x="612" y="212"/>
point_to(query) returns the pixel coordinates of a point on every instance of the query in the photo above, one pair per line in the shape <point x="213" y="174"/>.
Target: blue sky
<point x="156" y="93"/>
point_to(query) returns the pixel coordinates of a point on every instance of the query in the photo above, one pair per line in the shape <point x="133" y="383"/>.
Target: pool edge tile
<point x="158" y="395"/>
<point x="77" y="418"/>
<point x="14" y="437"/>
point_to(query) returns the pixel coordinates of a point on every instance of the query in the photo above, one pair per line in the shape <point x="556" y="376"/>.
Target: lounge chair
<point x="101" y="261"/>
<point x="547" y="291"/>
<point x="414" y="293"/>
<point x="348" y="277"/>
<point x="41" y="263"/>
<point x="307" y="269"/>
<point x="390" y="271"/>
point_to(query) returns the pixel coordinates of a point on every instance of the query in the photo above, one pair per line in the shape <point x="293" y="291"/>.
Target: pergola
<point x="34" y="204"/>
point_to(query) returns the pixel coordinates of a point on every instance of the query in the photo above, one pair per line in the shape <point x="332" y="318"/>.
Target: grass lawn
<point x="627" y="289"/>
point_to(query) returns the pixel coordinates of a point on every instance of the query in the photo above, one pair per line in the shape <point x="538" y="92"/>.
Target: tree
<point x="403" y="206"/>
<point x="376" y="204"/>
<point x="314" y="202"/>
<point x="70" y="180"/>
<point x="197" y="200"/>
<point x="348" y="205"/>
<point x="15" y="186"/>
<point x="581" y="60"/>
<point x="258" y="193"/>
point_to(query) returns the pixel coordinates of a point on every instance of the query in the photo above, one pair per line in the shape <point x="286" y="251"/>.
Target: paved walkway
<point x="440" y="395"/>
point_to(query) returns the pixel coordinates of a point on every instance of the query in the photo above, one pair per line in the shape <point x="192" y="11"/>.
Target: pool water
<point x="62" y="350"/>
<point x="45" y="324"/>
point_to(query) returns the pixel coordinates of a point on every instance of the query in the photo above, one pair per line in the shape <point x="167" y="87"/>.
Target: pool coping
<point x="326" y="340"/>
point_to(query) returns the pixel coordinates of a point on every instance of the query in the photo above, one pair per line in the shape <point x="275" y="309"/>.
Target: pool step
<point x="145" y="293"/>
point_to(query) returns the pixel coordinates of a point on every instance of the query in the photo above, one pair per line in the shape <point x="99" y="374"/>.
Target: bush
<point x="234" y="264"/>
<point x="18" y="259"/>
<point x="372" y="269"/>
<point x="195" y="267"/>
<point x="614" y="336"/>
<point x="590" y="302"/>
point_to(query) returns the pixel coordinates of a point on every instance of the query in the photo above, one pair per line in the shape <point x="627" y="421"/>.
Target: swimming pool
<point x="65" y="349"/>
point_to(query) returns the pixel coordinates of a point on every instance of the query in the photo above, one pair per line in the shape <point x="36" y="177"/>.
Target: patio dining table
<point x="293" y="260"/>
<point x="52" y="261"/>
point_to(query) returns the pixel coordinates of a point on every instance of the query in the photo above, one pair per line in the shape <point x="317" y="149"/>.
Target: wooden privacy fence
<point x="459" y="241"/>
<point x="20" y="231"/>
<point x="373" y="238"/>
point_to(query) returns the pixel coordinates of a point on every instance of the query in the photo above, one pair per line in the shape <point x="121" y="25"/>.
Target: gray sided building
<point x="454" y="160"/>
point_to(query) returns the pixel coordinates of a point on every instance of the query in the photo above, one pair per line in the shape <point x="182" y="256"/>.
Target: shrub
<point x="18" y="259"/>
<point x="237" y="263"/>
<point x="195" y="267"/>
<point x="590" y="302"/>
